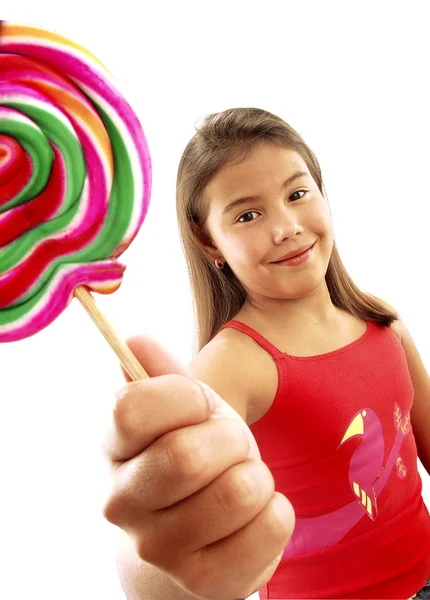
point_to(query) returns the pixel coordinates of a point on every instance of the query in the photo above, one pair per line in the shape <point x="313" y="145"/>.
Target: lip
<point x="295" y="253"/>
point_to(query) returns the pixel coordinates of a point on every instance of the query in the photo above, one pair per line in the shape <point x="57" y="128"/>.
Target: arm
<point x="420" y="413"/>
<point x="224" y="365"/>
<point x="217" y="366"/>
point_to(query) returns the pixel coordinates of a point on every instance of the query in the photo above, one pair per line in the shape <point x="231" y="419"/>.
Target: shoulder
<point x="397" y="326"/>
<point x="234" y="366"/>
<point x="402" y="332"/>
<point x="421" y="384"/>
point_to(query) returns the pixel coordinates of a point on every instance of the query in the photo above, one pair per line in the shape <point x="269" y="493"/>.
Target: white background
<point x="353" y="79"/>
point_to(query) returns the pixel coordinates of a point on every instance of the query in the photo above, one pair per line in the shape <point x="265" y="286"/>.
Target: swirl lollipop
<point x="75" y="180"/>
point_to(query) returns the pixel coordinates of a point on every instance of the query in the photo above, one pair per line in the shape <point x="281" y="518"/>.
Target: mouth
<point x="295" y="253"/>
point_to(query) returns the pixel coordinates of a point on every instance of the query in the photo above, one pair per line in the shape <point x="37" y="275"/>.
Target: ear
<point x="205" y="242"/>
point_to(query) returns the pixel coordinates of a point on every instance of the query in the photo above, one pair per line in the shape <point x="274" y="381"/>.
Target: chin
<point x="297" y="291"/>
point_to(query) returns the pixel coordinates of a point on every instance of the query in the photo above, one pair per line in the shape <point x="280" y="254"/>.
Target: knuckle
<point x="235" y="432"/>
<point x="123" y="504"/>
<point x="243" y="490"/>
<point x="187" y="454"/>
<point x="111" y="510"/>
<point x="146" y="551"/>
<point x="280" y="520"/>
<point x="245" y="486"/>
<point x="153" y="546"/>
<point x="124" y="411"/>
<point x="191" y="387"/>
<point x="181" y="382"/>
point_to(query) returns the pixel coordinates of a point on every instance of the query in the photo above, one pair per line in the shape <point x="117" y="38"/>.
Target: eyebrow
<point x="240" y="201"/>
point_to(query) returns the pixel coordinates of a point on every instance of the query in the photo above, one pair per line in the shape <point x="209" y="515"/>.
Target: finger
<point x="145" y="410"/>
<point x="175" y="467"/>
<point x="235" y="556"/>
<point x="154" y="358"/>
<point x="224" y="507"/>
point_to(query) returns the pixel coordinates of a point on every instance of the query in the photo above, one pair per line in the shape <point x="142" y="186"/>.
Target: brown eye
<point x="298" y="192"/>
<point x="252" y="212"/>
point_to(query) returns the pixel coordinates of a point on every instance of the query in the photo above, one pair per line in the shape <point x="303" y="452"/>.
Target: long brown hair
<point x="231" y="136"/>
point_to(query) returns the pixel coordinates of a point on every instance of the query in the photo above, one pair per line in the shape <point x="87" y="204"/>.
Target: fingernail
<point x="210" y="397"/>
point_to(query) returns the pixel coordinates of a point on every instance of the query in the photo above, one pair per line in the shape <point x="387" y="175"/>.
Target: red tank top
<point x="340" y="446"/>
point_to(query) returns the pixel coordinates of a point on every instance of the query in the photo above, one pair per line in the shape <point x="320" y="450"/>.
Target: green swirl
<point x="119" y="212"/>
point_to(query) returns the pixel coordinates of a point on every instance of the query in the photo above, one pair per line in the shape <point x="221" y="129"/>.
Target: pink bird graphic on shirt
<point x="367" y="477"/>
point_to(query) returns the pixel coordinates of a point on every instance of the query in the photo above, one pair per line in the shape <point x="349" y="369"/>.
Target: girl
<point x="326" y="377"/>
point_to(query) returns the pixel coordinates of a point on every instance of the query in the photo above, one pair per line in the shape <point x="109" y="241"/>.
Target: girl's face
<point x="261" y="209"/>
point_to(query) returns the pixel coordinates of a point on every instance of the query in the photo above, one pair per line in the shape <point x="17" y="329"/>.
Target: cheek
<point x="325" y="231"/>
<point x="231" y="247"/>
<point x="242" y="252"/>
<point x="321" y="220"/>
<point x="242" y="249"/>
<point x="327" y="224"/>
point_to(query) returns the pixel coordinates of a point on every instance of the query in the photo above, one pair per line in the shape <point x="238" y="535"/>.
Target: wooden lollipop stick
<point x="125" y="355"/>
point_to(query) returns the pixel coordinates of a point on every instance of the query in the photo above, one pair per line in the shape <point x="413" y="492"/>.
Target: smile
<point x="296" y="260"/>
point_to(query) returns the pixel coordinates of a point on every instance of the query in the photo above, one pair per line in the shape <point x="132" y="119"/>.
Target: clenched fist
<point x="188" y="484"/>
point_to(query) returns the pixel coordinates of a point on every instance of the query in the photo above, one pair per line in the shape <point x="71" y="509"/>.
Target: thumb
<point x="154" y="358"/>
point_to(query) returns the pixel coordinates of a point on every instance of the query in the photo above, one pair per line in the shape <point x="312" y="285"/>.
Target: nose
<point x="285" y="224"/>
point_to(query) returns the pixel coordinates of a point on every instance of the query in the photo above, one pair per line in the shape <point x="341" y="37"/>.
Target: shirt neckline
<point x="363" y="337"/>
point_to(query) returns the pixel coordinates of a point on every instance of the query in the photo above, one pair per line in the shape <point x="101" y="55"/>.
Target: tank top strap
<point x="270" y="348"/>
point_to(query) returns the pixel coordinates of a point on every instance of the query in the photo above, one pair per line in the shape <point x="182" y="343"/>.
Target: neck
<point x="314" y="309"/>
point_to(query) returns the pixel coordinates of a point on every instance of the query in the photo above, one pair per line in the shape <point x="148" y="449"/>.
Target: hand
<point x="188" y="483"/>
